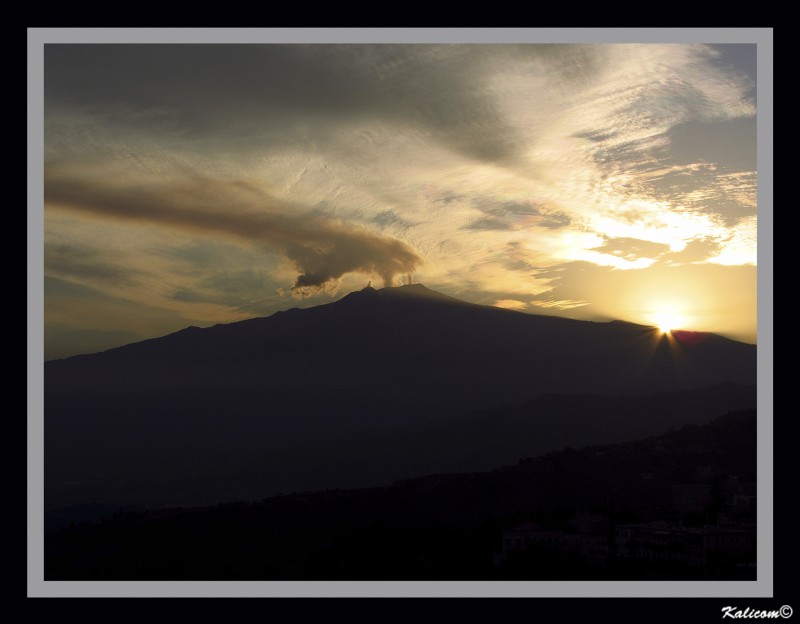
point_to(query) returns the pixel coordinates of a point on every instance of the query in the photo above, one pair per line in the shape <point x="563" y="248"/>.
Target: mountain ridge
<point x="207" y="401"/>
<point x="405" y="293"/>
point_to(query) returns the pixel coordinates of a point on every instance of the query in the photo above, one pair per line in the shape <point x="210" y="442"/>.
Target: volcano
<point x="284" y="402"/>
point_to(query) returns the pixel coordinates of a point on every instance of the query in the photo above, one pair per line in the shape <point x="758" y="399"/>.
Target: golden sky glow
<point x="197" y="184"/>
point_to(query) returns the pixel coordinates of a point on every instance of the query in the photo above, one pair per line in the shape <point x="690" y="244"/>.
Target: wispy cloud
<point x="510" y="304"/>
<point x="740" y="247"/>
<point x="84" y="264"/>
<point x="563" y="304"/>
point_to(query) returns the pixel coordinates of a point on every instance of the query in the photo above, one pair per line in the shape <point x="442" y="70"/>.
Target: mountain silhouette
<point x="485" y="439"/>
<point x="441" y="526"/>
<point x="167" y="417"/>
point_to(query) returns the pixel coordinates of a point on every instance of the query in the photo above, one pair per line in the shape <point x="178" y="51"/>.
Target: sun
<point x="667" y="322"/>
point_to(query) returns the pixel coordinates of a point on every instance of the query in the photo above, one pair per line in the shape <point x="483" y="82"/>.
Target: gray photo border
<point x="38" y="587"/>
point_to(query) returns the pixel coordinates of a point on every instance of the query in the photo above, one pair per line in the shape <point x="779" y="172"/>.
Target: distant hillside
<point x="435" y="527"/>
<point x="488" y="438"/>
<point x="171" y="419"/>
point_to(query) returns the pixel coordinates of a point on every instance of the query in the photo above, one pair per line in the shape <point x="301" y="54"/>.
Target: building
<point x="592" y="545"/>
<point x="659" y="541"/>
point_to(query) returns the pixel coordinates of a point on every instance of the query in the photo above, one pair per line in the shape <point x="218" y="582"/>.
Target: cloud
<point x="510" y="304"/>
<point x="199" y="257"/>
<point x="579" y="133"/>
<point x="741" y="187"/>
<point x="741" y="247"/>
<point x="227" y="92"/>
<point x="632" y="248"/>
<point x="695" y="252"/>
<point x="611" y="260"/>
<point x="555" y="221"/>
<point x="562" y="304"/>
<point x="389" y="218"/>
<point x="477" y="167"/>
<point x="605" y="157"/>
<point x="239" y="289"/>
<point x="488" y="223"/>
<point x="515" y="215"/>
<point x="322" y="250"/>
<point x="85" y="264"/>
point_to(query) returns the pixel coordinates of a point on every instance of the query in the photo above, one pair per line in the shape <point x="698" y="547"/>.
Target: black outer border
<point x="782" y="17"/>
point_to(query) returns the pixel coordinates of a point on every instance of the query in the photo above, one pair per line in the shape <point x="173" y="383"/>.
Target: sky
<point x="199" y="184"/>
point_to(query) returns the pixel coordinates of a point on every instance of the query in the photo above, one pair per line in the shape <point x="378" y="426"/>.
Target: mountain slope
<point x="438" y="527"/>
<point x="201" y="402"/>
<point x="487" y="438"/>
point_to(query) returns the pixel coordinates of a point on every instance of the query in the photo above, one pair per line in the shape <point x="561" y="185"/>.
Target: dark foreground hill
<point x="447" y="527"/>
<point x="311" y="398"/>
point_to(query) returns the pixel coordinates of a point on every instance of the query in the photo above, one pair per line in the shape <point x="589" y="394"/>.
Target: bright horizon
<point x="203" y="184"/>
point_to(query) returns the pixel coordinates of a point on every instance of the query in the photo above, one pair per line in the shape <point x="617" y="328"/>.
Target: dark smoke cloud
<point x="322" y="250"/>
